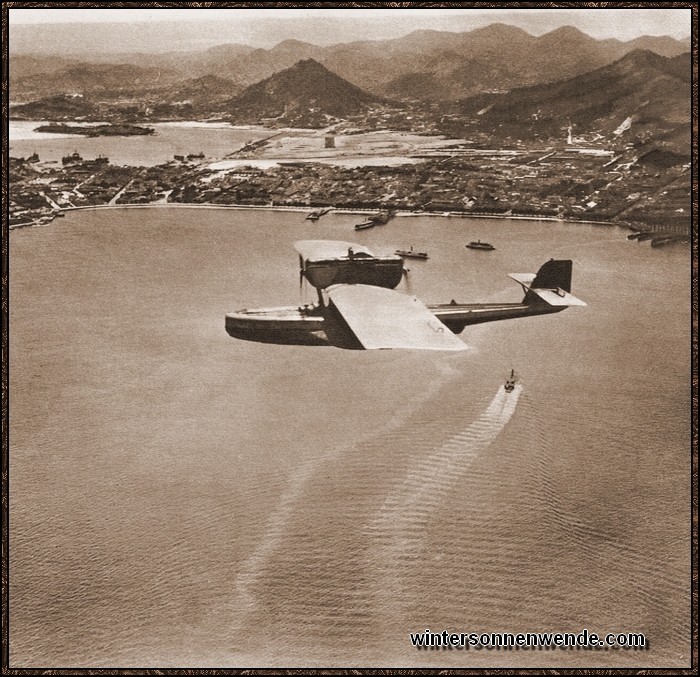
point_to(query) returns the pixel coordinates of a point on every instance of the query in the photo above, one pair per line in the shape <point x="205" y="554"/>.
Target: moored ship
<point x="364" y="225"/>
<point x="383" y="217"/>
<point x="485" y="246"/>
<point x="411" y="254"/>
<point x="317" y="214"/>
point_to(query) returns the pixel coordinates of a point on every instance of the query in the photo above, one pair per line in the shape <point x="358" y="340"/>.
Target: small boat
<point x="509" y="386"/>
<point x="364" y="225"/>
<point x="634" y="236"/>
<point x="411" y="254"/>
<point x="380" y="219"/>
<point x="480" y="245"/>
<point x="317" y="214"/>
<point x="383" y="217"/>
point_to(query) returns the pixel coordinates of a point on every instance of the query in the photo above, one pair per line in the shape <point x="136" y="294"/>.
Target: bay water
<point x="179" y="498"/>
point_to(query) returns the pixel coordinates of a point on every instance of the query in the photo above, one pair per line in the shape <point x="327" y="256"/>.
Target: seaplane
<point x="359" y="307"/>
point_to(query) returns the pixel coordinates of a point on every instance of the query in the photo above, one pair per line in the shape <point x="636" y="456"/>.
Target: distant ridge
<point x="651" y="90"/>
<point x="498" y="57"/>
<point x="88" y="78"/>
<point x="435" y="65"/>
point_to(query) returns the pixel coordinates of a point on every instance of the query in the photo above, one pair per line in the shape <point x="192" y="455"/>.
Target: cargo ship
<point x="485" y="246"/>
<point x="411" y="254"/>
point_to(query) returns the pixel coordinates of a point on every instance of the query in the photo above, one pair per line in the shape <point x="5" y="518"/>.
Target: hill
<point x="651" y="90"/>
<point x="203" y="91"/>
<point x="306" y="94"/>
<point x="88" y="78"/>
<point x="58" y="107"/>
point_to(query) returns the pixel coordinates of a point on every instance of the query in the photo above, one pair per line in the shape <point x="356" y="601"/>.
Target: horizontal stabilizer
<point x="525" y="279"/>
<point x="557" y="297"/>
<point x="552" y="284"/>
<point x="383" y="318"/>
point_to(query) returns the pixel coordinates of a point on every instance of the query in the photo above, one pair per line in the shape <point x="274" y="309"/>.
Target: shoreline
<point x="275" y="185"/>
<point x="43" y="221"/>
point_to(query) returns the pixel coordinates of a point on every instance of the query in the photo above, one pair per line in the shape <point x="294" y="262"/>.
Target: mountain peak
<point x="567" y="33"/>
<point x="291" y="43"/>
<point x="500" y="31"/>
<point x="306" y="86"/>
<point x="642" y="58"/>
<point x="311" y="65"/>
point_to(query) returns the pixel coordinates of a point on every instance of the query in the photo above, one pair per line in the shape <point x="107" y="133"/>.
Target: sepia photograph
<point x="261" y="406"/>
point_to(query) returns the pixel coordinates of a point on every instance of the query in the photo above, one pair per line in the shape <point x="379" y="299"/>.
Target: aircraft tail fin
<point x="555" y="274"/>
<point x="551" y="284"/>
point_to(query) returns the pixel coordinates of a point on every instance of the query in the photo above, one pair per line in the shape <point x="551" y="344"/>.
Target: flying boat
<point x="358" y="306"/>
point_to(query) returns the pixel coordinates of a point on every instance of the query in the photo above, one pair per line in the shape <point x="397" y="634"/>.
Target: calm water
<point x="214" y="140"/>
<point x="181" y="498"/>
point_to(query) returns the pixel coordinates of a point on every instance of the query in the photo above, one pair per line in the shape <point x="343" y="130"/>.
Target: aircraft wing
<point x="383" y="318"/>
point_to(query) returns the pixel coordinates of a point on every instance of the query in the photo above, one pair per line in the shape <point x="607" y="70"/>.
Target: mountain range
<point x="651" y="90"/>
<point x="426" y="64"/>
<point x="498" y="81"/>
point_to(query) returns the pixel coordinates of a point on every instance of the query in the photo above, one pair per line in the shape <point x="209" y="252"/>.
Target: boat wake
<point x="254" y="568"/>
<point x="398" y="531"/>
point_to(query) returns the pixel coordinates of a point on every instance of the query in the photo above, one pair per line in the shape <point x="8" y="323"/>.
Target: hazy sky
<point x="267" y="27"/>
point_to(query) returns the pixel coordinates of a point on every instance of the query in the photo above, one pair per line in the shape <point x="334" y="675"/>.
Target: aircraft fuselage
<point x="323" y="325"/>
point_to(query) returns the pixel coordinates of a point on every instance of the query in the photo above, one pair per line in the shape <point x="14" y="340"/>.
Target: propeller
<point x="301" y="285"/>
<point x="301" y="278"/>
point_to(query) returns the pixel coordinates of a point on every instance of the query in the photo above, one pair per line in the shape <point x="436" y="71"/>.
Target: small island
<point x="99" y="130"/>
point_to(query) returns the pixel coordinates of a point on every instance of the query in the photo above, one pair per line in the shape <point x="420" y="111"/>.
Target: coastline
<point x="405" y="214"/>
<point x="275" y="169"/>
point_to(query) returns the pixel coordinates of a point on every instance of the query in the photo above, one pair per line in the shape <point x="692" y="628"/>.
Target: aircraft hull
<point x="315" y="326"/>
<point x="457" y="316"/>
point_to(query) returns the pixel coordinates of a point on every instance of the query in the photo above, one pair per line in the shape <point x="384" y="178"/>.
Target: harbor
<point x="456" y="188"/>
